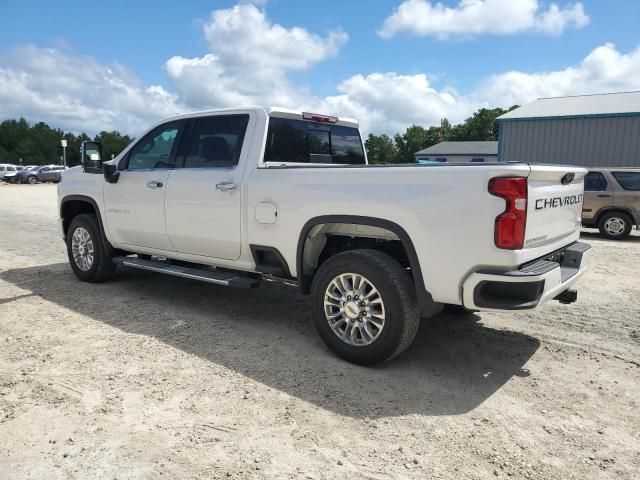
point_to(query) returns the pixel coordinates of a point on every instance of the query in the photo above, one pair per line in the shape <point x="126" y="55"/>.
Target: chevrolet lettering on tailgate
<point x="556" y="202"/>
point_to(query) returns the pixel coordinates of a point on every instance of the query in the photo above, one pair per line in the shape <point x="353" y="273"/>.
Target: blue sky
<point x="463" y="67"/>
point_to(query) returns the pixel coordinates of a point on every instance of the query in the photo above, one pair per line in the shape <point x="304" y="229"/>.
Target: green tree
<point x="112" y="143"/>
<point x="414" y="138"/>
<point x="73" y="147"/>
<point x="481" y="126"/>
<point x="380" y="149"/>
<point x="445" y="130"/>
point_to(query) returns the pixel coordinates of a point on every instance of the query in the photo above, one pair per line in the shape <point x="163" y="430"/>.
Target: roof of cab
<point x="271" y="111"/>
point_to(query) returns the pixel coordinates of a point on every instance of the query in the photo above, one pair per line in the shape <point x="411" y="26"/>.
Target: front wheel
<point x="32" y="180"/>
<point x="89" y="253"/>
<point x="364" y="306"/>
<point x="615" y="225"/>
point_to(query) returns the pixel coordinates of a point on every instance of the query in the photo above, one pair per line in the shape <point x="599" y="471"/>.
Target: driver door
<point x="135" y="204"/>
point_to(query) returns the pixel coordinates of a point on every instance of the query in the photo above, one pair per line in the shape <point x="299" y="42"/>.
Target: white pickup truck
<point x="233" y="197"/>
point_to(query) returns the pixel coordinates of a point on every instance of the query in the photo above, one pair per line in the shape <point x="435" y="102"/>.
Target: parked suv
<point x="612" y="201"/>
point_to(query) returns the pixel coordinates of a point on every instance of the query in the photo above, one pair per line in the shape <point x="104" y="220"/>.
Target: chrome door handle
<point x="154" y="184"/>
<point x="226" y="186"/>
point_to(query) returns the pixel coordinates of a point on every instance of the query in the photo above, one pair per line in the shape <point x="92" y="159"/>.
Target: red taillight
<point x="510" y="225"/>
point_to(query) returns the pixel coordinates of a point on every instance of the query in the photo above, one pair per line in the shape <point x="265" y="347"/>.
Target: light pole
<point x="63" y="142"/>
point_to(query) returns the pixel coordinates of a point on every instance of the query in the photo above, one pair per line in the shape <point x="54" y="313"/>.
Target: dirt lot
<point x="156" y="377"/>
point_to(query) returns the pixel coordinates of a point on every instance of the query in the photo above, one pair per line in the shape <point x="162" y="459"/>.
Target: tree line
<point x="481" y="126"/>
<point x="39" y="144"/>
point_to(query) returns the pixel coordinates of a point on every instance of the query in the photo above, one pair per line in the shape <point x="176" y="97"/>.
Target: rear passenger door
<point x="203" y="196"/>
<point x="598" y="193"/>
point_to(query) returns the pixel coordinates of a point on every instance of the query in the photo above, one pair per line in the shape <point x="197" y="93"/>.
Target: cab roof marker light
<point x="316" y="117"/>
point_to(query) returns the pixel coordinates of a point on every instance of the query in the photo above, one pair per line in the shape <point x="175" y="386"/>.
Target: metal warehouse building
<point x="588" y="130"/>
<point x="475" y="152"/>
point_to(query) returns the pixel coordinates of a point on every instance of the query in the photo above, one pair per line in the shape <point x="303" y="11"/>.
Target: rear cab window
<point x="628" y="180"/>
<point x="307" y="142"/>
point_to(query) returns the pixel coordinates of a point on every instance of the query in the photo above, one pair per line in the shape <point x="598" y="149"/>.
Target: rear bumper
<point x="530" y="285"/>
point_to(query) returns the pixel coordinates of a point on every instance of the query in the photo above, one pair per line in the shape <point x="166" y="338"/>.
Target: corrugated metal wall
<point x="588" y="142"/>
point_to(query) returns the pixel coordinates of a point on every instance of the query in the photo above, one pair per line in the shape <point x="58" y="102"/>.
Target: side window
<point x="215" y="141"/>
<point x="299" y="141"/>
<point x="595" y="182"/>
<point x="628" y="180"/>
<point x="154" y="150"/>
<point x="45" y="169"/>
<point x="441" y="159"/>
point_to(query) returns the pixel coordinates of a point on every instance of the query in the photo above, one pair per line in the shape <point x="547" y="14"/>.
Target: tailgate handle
<point x="604" y="196"/>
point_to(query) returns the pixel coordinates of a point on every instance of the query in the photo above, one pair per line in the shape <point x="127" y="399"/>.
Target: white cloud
<point x="249" y="60"/>
<point x="605" y="69"/>
<point x="389" y="102"/>
<point x="475" y="17"/>
<point x="252" y="56"/>
<point x="77" y="93"/>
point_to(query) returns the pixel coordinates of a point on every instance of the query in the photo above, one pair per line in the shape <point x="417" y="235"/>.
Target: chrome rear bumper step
<point x="209" y="276"/>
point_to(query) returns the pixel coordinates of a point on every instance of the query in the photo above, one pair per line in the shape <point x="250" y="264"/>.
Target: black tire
<point x="32" y="180"/>
<point x="402" y="316"/>
<point x="621" y="219"/>
<point x="102" y="267"/>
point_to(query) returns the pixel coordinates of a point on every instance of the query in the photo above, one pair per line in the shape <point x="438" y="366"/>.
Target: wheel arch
<point x="427" y="306"/>
<point x="74" y="205"/>
<point x="615" y="208"/>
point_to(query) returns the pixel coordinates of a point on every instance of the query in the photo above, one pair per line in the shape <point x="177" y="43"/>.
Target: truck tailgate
<point x="554" y="207"/>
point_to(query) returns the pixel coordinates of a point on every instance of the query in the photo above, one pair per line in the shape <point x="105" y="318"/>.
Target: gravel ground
<point x="156" y="377"/>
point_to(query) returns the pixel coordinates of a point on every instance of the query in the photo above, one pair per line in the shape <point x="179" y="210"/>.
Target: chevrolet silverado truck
<point x="237" y="196"/>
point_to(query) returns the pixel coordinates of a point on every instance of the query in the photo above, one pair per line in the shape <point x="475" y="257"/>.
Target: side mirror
<point x="91" y="157"/>
<point x="111" y="173"/>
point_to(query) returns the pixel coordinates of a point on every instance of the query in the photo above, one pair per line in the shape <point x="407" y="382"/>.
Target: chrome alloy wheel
<point x="82" y="249"/>
<point x="354" y="309"/>
<point x="614" y="226"/>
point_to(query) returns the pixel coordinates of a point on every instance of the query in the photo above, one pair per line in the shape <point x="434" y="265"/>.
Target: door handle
<point x="154" y="184"/>
<point x="226" y="186"/>
<point x="604" y="196"/>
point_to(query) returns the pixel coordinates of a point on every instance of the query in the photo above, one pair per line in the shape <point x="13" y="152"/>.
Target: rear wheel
<point x="615" y="225"/>
<point x="364" y="306"/>
<point x="89" y="253"/>
<point x="32" y="180"/>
